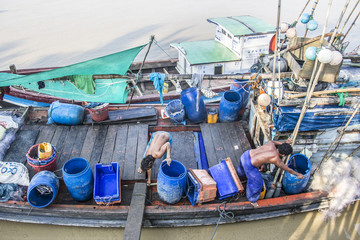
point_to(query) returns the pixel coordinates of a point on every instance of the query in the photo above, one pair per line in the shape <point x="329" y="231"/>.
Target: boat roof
<point x="243" y="25"/>
<point x="208" y="51"/>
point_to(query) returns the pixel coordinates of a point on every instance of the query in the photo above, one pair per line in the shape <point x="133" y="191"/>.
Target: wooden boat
<point x="125" y="143"/>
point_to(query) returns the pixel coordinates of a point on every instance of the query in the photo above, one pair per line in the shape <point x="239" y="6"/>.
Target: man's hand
<point x="300" y="176"/>
<point x="168" y="161"/>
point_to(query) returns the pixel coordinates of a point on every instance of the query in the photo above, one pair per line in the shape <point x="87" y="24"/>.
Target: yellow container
<point x="44" y="150"/>
<point x="212" y="115"/>
<point x="263" y="192"/>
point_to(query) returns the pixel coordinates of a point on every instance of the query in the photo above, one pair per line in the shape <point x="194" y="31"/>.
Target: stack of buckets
<point x="42" y="157"/>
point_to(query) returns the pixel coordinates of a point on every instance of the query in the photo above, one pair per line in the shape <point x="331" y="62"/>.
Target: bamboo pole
<point x="300" y="95"/>
<point x="312" y="14"/>
<point x="313" y="82"/>
<point x="346" y="21"/>
<point x="338" y="137"/>
<point x="353" y="23"/>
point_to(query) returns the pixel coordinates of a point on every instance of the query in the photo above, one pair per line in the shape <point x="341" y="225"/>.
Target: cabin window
<point x="223" y="31"/>
<point x="218" y="69"/>
<point x="229" y="36"/>
<point x="184" y="65"/>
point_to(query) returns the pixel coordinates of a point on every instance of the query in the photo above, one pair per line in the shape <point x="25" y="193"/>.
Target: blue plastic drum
<point x="64" y="113"/>
<point x="229" y="107"/>
<point x="171" y="182"/>
<point x="243" y="88"/>
<point x="78" y="178"/>
<point x="189" y="100"/>
<point x="291" y="183"/>
<point x="42" y="189"/>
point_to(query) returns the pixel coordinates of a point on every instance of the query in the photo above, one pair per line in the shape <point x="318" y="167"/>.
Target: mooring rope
<point x="223" y="215"/>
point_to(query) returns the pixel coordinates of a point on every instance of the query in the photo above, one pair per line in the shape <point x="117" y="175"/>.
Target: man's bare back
<point x="268" y="153"/>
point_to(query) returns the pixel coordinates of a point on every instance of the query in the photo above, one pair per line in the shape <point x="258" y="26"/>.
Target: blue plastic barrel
<point x="64" y="113"/>
<point x="78" y="178"/>
<point x="175" y="110"/>
<point x="224" y="181"/>
<point x="42" y="189"/>
<point x="189" y="100"/>
<point x="171" y="182"/>
<point x="229" y="107"/>
<point x="243" y="88"/>
<point x="291" y="183"/>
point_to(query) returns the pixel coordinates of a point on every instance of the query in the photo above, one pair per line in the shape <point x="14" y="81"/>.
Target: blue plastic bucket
<point x="42" y="189"/>
<point x="78" y="178"/>
<point x="189" y="99"/>
<point x="171" y="182"/>
<point x="291" y="183"/>
<point x="243" y="88"/>
<point x="224" y="181"/>
<point x="175" y="110"/>
<point x="229" y="107"/>
<point x="64" y="113"/>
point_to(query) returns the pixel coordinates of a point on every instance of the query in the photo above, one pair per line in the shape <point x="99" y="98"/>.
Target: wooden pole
<point x="352" y="11"/>
<point x="338" y="137"/>
<point x="312" y="14"/>
<point x="350" y="27"/>
<point x="341" y="90"/>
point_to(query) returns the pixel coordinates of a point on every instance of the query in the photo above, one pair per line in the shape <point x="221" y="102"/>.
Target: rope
<point x="223" y="215"/>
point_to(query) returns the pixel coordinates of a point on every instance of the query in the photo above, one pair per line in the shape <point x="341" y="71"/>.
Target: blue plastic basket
<point x="107" y="183"/>
<point x="193" y="189"/>
<point x="175" y="110"/>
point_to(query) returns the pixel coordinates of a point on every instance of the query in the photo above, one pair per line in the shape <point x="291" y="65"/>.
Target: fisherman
<point x="159" y="146"/>
<point x="253" y="159"/>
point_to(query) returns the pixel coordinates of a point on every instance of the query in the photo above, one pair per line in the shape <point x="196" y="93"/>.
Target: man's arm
<point x="289" y="170"/>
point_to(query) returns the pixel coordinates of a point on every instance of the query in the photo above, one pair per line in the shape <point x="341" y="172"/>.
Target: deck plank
<point x="141" y="147"/>
<point x="99" y="144"/>
<point x="120" y="147"/>
<point x="235" y="144"/>
<point x="136" y="212"/>
<point x="130" y="153"/>
<point x="225" y="129"/>
<point x="208" y="143"/>
<point x="80" y="137"/>
<point x="244" y="142"/>
<point x="22" y="143"/>
<point x="109" y="144"/>
<point x="218" y="144"/>
<point x="46" y="134"/>
<point x="88" y="144"/>
<point x="69" y="143"/>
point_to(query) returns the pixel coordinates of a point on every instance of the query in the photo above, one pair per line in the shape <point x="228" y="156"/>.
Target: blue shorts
<point x="152" y="136"/>
<point x="254" y="180"/>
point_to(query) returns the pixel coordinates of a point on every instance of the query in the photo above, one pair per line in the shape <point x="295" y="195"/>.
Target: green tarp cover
<point x="210" y="51"/>
<point x="243" y="25"/>
<point x="117" y="63"/>
<point x="84" y="82"/>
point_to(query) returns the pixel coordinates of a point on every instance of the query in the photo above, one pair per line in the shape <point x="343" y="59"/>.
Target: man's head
<point x="147" y="163"/>
<point x="285" y="149"/>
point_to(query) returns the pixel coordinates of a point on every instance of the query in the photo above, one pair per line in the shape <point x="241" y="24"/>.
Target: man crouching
<point x="159" y="146"/>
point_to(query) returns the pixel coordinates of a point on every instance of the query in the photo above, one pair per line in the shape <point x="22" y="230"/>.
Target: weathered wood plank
<point x="136" y="212"/>
<point x="224" y="130"/>
<point x="88" y="144"/>
<point x="208" y="143"/>
<point x="69" y="143"/>
<point x="120" y="147"/>
<point x="46" y="133"/>
<point x="130" y="154"/>
<point x="141" y="146"/>
<point x="22" y="143"/>
<point x="109" y="144"/>
<point x="183" y="149"/>
<point x="218" y="144"/>
<point x="77" y="148"/>
<point x="244" y="142"/>
<point x="99" y="144"/>
<point x="58" y="140"/>
<point x="235" y="144"/>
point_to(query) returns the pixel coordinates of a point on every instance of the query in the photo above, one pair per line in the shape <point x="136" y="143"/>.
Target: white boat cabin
<point x="237" y="45"/>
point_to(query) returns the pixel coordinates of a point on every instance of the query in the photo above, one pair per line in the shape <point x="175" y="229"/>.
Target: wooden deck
<point x="126" y="144"/>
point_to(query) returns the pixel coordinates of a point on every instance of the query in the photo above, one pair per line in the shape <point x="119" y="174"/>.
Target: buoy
<point x="284" y="27"/>
<point x="312" y="25"/>
<point x="290" y="33"/>
<point x="264" y="100"/>
<point x="283" y="65"/>
<point x="305" y="18"/>
<point x="310" y="53"/>
<point x="325" y="56"/>
<point x="336" y="58"/>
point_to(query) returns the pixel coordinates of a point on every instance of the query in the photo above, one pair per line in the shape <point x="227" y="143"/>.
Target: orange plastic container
<point x="208" y="185"/>
<point x="234" y="175"/>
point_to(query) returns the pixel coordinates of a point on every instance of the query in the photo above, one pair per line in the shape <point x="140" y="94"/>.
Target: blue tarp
<point x="318" y="118"/>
